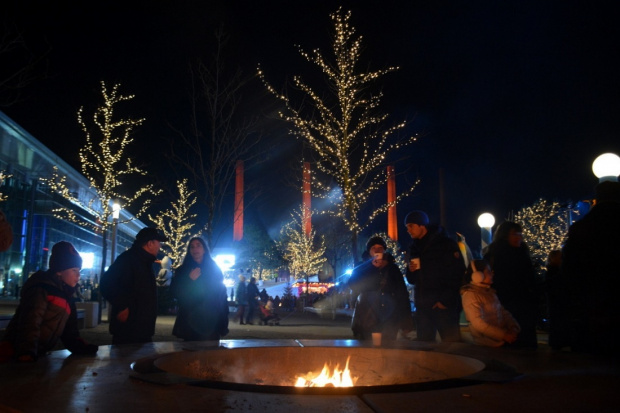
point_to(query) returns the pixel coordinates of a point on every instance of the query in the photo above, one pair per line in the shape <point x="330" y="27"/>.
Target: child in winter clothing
<point x="489" y="322"/>
<point x="46" y="311"/>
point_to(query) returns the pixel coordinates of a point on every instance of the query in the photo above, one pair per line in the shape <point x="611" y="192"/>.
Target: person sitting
<point x="267" y="313"/>
<point x="490" y="323"/>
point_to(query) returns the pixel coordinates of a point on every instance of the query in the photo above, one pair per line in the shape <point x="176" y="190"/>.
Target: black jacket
<point x="130" y="283"/>
<point x="441" y="272"/>
<point x="203" y="303"/>
<point x="382" y="300"/>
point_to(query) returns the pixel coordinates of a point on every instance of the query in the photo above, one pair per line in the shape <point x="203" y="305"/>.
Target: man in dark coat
<point x="131" y="288"/>
<point x="436" y="270"/>
<point x="591" y="275"/>
<point x="382" y="301"/>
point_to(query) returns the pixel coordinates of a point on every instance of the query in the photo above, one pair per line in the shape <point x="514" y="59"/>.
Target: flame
<point x="339" y="378"/>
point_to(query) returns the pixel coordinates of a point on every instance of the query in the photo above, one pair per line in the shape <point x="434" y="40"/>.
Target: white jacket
<point x="488" y="319"/>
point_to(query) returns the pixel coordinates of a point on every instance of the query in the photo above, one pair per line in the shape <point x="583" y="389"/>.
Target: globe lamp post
<point x="606" y="167"/>
<point x="486" y="222"/>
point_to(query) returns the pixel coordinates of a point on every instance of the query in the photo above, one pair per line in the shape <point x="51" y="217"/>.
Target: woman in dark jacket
<point x="515" y="279"/>
<point x="198" y="286"/>
<point x="46" y="311"/>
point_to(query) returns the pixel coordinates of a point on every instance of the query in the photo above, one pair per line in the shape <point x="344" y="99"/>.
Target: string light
<point x="2" y="178"/>
<point x="346" y="132"/>
<point x="545" y="227"/>
<point x="104" y="163"/>
<point x="176" y="224"/>
<point x="304" y="255"/>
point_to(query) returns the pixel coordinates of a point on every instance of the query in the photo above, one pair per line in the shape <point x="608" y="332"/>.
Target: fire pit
<point x="276" y="369"/>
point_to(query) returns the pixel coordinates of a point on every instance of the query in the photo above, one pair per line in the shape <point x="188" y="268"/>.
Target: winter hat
<point x="148" y="234"/>
<point x="375" y="241"/>
<point x="64" y="256"/>
<point x="417" y="217"/>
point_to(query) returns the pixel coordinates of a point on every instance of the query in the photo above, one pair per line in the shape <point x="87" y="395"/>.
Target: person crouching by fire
<point x="46" y="311"/>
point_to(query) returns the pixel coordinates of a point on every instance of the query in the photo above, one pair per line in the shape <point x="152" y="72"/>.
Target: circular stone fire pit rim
<point x="145" y="369"/>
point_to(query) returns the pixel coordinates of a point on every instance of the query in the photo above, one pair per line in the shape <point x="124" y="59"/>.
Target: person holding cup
<point x="436" y="269"/>
<point x="382" y="301"/>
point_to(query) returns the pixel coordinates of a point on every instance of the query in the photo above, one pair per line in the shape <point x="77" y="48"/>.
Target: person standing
<point x="489" y="322"/>
<point x="131" y="288"/>
<point x="252" y="294"/>
<point x="436" y="270"/>
<point x="380" y="293"/>
<point x="515" y="279"/>
<point x="242" y="298"/>
<point x="46" y="311"/>
<point x="590" y="277"/>
<point x="198" y="286"/>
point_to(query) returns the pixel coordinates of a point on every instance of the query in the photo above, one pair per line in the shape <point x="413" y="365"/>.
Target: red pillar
<point x="306" y="199"/>
<point x="238" y="216"/>
<point x="392" y="228"/>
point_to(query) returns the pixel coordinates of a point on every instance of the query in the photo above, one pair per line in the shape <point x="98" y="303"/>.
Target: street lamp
<point x="116" y="211"/>
<point x="485" y="222"/>
<point x="606" y="167"/>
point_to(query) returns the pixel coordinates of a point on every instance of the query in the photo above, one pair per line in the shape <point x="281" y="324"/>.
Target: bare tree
<point x="177" y="224"/>
<point x="106" y="165"/>
<point x="220" y="135"/>
<point x="20" y="65"/>
<point x="342" y="125"/>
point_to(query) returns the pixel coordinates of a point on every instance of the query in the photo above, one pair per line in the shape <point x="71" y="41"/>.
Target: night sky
<point x="512" y="100"/>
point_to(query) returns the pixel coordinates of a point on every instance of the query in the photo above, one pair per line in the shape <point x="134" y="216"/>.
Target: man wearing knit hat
<point x="131" y="288"/>
<point x="436" y="269"/>
<point x="46" y="311"/>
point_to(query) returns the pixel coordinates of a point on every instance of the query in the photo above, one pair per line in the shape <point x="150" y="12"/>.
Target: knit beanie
<point x="64" y="256"/>
<point x="417" y="217"/>
<point x="375" y="241"/>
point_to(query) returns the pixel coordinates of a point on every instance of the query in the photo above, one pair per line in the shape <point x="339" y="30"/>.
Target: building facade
<point x="29" y="203"/>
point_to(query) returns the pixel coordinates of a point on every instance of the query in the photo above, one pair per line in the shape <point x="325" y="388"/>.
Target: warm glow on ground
<point x="339" y="378"/>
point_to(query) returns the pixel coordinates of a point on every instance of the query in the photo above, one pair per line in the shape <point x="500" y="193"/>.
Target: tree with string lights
<point x="106" y="165"/>
<point x="304" y="254"/>
<point x="257" y="252"/>
<point x="177" y="223"/>
<point x="342" y="125"/>
<point x="545" y="227"/>
<point x="2" y="178"/>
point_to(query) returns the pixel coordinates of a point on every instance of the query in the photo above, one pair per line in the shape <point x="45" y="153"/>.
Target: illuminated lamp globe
<point x="606" y="167"/>
<point x="486" y="220"/>
<point x="116" y="210"/>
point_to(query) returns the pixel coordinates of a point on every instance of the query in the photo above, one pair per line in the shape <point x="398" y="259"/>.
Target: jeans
<point x="431" y="321"/>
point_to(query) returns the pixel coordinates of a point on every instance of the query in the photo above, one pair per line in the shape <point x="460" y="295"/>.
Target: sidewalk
<point x="293" y="325"/>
